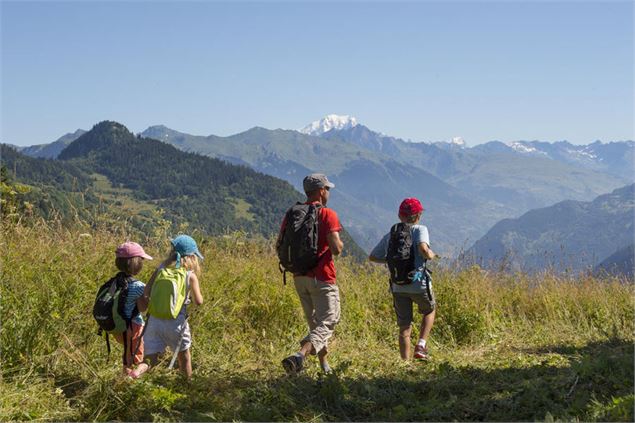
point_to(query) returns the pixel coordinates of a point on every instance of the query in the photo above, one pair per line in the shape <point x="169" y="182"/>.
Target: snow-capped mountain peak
<point x="522" y="148"/>
<point x="458" y="141"/>
<point x="328" y="123"/>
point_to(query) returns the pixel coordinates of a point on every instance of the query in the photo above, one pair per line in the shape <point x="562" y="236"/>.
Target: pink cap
<point x="410" y="207"/>
<point x="131" y="249"/>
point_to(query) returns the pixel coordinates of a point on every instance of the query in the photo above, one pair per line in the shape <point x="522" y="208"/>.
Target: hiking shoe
<point x="421" y="353"/>
<point x="293" y="364"/>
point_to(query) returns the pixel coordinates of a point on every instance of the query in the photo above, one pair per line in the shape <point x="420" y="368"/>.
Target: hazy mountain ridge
<point x="370" y="184"/>
<point x="570" y="235"/>
<point x="499" y="185"/>
<point x="51" y="150"/>
<point x="614" y="158"/>
<point x="467" y="190"/>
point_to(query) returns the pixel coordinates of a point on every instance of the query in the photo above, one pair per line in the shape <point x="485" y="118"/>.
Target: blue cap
<point x="184" y="245"/>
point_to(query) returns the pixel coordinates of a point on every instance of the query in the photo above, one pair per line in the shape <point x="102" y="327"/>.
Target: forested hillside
<point x="148" y="182"/>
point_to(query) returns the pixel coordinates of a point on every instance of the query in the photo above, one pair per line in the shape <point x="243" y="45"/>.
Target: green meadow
<point x="504" y="347"/>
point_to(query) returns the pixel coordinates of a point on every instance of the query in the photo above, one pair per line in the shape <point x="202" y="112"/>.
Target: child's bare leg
<point x="185" y="363"/>
<point x="404" y="341"/>
<point x="426" y="325"/>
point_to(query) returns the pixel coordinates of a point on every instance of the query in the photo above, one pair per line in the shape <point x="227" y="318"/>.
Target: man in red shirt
<point x="317" y="290"/>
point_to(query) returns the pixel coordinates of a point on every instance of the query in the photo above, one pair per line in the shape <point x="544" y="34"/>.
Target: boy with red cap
<point x="416" y="290"/>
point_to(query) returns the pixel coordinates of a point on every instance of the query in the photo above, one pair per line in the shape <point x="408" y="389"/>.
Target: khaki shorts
<point x="403" y="304"/>
<point x="321" y="304"/>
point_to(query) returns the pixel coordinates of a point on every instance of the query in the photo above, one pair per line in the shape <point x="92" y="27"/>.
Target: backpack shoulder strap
<point x="394" y="230"/>
<point x="122" y="282"/>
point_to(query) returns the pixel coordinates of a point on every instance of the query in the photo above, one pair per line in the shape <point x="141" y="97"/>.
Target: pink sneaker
<point x="421" y="353"/>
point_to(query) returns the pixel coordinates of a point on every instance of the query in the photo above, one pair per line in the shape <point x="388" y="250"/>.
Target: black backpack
<point x="400" y="256"/>
<point x="298" y="244"/>
<point x="108" y="309"/>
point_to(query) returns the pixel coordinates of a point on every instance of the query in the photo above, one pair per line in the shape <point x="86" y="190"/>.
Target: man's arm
<point x="335" y="243"/>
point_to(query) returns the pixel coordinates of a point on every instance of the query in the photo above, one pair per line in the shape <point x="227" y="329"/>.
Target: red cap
<point x="131" y="249"/>
<point x="410" y="207"/>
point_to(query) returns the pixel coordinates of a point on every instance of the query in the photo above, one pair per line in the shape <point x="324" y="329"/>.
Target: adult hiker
<point x="308" y="240"/>
<point x="406" y="249"/>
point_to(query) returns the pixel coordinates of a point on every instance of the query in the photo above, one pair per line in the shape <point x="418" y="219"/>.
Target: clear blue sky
<point x="427" y="71"/>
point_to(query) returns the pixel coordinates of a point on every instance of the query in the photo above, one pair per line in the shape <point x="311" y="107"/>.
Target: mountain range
<point x="465" y="190"/>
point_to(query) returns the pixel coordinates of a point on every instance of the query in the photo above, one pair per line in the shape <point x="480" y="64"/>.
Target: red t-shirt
<point x="327" y="222"/>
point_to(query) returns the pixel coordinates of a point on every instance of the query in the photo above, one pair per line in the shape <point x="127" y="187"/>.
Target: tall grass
<point x="504" y="347"/>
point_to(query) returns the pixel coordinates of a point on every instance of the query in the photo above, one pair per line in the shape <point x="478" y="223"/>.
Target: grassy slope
<point x="504" y="347"/>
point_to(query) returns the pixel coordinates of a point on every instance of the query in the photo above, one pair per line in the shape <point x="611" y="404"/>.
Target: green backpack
<point x="169" y="292"/>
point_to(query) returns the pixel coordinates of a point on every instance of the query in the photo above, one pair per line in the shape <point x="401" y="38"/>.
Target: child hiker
<point x="129" y="261"/>
<point x="405" y="249"/>
<point x="167" y="296"/>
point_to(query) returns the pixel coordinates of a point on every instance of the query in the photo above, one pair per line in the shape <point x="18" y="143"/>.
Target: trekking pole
<point x="178" y="347"/>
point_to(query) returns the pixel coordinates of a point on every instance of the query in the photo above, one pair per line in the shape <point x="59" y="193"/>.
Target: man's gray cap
<point x="316" y="181"/>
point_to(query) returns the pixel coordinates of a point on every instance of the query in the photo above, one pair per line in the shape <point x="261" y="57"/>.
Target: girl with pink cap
<point x="129" y="260"/>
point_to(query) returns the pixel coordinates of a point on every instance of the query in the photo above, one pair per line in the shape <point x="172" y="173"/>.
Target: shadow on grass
<point x="594" y="382"/>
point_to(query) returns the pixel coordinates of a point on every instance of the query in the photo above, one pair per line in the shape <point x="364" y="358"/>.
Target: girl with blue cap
<point x="171" y="288"/>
